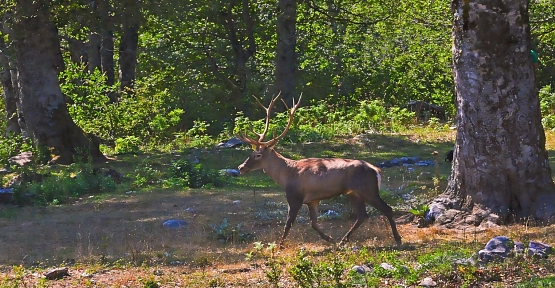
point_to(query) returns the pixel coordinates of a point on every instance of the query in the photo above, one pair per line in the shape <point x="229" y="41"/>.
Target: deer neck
<point x="278" y="168"/>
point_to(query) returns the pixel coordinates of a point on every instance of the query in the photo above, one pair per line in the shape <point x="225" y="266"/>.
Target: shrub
<point x="193" y="175"/>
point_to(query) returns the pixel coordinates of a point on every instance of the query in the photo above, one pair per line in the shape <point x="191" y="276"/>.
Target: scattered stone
<point x="22" y="158"/>
<point x="497" y="248"/>
<point x="405" y="219"/>
<point x="387" y="266"/>
<point x="428" y="282"/>
<point x="237" y="202"/>
<point x="233" y="142"/>
<point x="448" y="216"/>
<point x="230" y="172"/>
<point x="57" y="273"/>
<point x="538" y="249"/>
<point x="361" y="269"/>
<point x="466" y="262"/>
<point x="519" y="247"/>
<point x="175" y="223"/>
<point x="6" y="195"/>
<point x="130" y="192"/>
<point x="407" y="162"/>
<point x="4" y="171"/>
<point x="27" y="177"/>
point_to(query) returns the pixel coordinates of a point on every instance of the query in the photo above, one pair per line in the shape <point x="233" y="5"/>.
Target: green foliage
<point x="420" y="210"/>
<point x="303" y="271"/>
<point x="547" y="106"/>
<point x="145" y="174"/>
<point x="225" y="232"/>
<point x="186" y="174"/>
<point x="128" y="144"/>
<point x="13" y="145"/>
<point x="56" y="188"/>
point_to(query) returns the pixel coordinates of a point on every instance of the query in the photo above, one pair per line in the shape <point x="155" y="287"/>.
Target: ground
<point x="118" y="240"/>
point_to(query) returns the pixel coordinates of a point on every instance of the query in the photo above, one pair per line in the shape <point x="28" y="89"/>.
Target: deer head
<point x="262" y="149"/>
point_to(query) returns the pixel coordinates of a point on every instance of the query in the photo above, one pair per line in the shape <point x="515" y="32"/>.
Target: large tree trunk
<point x="500" y="169"/>
<point x="286" y="57"/>
<point x="42" y="102"/>
<point x="9" y="92"/>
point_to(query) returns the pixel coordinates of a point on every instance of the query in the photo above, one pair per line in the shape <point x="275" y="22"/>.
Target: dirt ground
<point x="128" y="229"/>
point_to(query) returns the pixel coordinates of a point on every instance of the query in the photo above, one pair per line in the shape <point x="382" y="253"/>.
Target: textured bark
<point x="9" y="93"/>
<point x="128" y="44"/>
<point x="500" y="161"/>
<point x="107" y="45"/>
<point x="93" y="52"/>
<point x="42" y="102"/>
<point x="286" y="57"/>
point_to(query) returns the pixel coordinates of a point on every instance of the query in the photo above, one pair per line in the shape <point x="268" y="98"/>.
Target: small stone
<point x="361" y="269"/>
<point x="175" y="223"/>
<point x="519" y="247"/>
<point x="57" y="273"/>
<point x="237" y="202"/>
<point x="387" y="266"/>
<point x="428" y="282"/>
<point x="538" y="249"/>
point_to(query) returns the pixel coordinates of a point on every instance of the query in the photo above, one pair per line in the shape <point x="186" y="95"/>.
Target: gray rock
<point x="57" y="273"/>
<point x="435" y="211"/>
<point x="447" y="217"/>
<point x="496" y="249"/>
<point x="519" y="247"/>
<point x="175" y="223"/>
<point x="465" y="262"/>
<point x="387" y="266"/>
<point x="538" y="249"/>
<point x="428" y="282"/>
<point x="361" y="269"/>
<point x="233" y="142"/>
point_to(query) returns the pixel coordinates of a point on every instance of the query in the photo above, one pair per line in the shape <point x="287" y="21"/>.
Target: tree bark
<point x="9" y="93"/>
<point x="107" y="46"/>
<point x="93" y="52"/>
<point x="42" y="102"/>
<point x="286" y="56"/>
<point x="128" y="45"/>
<point x="500" y="162"/>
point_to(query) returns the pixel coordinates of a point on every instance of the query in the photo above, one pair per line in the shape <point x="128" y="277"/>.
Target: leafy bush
<point x="225" y="232"/>
<point x="193" y="175"/>
<point x="128" y="144"/>
<point x="547" y="106"/>
<point x="57" y="188"/>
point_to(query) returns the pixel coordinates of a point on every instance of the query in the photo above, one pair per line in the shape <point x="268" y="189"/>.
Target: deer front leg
<point x="294" y="208"/>
<point x="313" y="210"/>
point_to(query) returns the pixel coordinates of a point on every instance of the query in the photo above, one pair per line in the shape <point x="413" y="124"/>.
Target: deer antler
<point x="268" y="109"/>
<point x="291" y="113"/>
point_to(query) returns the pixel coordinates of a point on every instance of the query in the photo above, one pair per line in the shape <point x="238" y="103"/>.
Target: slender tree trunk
<point x="286" y="57"/>
<point x="9" y="93"/>
<point x="107" y="46"/>
<point x="501" y="165"/>
<point x="128" y="53"/>
<point x="42" y="102"/>
<point x="93" y="53"/>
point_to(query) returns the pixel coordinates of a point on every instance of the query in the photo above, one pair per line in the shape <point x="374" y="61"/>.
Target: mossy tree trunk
<point x="501" y="165"/>
<point x="42" y="102"/>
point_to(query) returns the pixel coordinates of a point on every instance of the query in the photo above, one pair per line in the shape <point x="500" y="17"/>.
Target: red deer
<point x="308" y="181"/>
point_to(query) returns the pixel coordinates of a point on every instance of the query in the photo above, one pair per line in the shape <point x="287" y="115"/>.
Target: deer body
<point x="310" y="180"/>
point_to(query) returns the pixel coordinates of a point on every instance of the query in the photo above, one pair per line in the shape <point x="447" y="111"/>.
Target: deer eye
<point x="257" y="156"/>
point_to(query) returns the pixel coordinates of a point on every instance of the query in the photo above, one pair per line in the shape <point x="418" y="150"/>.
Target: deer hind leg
<point x="294" y="208"/>
<point x="359" y="207"/>
<point x="313" y="211"/>
<point x="386" y="210"/>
